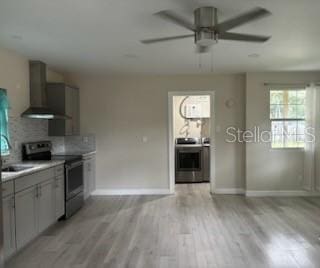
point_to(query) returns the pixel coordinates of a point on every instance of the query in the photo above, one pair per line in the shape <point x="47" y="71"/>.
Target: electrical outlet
<point x="85" y="139"/>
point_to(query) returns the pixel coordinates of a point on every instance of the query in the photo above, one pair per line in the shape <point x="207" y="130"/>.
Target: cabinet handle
<point x="13" y="203"/>
<point x="37" y="191"/>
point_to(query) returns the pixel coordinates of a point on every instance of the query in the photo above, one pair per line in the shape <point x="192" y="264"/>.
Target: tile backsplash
<point x="74" y="144"/>
<point x="27" y="130"/>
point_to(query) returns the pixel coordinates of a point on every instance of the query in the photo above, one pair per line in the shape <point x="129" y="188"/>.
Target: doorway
<point x="191" y="138"/>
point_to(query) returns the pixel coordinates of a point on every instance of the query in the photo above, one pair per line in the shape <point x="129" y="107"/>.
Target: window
<point x="4" y="130"/>
<point x="287" y="115"/>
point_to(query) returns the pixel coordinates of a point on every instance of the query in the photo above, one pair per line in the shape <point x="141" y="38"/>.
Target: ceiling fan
<point x="207" y="30"/>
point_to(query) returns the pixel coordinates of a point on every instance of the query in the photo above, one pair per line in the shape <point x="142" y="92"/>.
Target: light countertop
<point x="83" y="153"/>
<point x="86" y="154"/>
<point x="37" y="166"/>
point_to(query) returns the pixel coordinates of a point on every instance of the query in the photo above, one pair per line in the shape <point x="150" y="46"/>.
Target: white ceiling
<point x="103" y="35"/>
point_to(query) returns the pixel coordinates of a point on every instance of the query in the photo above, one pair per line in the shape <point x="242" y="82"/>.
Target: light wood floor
<point x="189" y="229"/>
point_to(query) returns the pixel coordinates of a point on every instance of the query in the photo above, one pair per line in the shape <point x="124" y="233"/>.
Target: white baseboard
<point x="131" y="192"/>
<point x="280" y="193"/>
<point x="229" y="191"/>
<point x="102" y="192"/>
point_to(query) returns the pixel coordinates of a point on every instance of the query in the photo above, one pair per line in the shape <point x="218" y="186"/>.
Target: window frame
<point x="281" y="88"/>
<point x="5" y="114"/>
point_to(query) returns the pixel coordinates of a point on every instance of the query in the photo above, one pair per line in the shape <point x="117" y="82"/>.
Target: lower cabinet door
<point x="47" y="215"/>
<point x="26" y="216"/>
<point x="9" y="228"/>
<point x="60" y="201"/>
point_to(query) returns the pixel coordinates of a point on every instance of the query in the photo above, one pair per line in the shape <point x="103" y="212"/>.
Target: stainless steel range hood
<point x="38" y="94"/>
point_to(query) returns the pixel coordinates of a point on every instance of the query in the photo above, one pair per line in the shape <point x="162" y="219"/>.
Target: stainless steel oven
<point x="74" y="187"/>
<point x="74" y="179"/>
<point x="191" y="161"/>
<point x="189" y="164"/>
<point x="189" y="158"/>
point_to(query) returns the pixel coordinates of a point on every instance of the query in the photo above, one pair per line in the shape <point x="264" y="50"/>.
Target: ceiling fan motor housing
<point x="205" y="19"/>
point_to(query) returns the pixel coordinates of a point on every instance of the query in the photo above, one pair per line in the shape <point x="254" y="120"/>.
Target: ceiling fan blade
<point x="175" y="18"/>
<point x="244" y="37"/>
<point x="202" y="49"/>
<point x="254" y="14"/>
<point x="163" y="39"/>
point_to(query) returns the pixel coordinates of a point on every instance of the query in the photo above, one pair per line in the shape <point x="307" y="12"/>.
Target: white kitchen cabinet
<point x="46" y="204"/>
<point x="30" y="205"/>
<point x="89" y="175"/>
<point x="59" y="197"/>
<point x="26" y="203"/>
<point x="9" y="229"/>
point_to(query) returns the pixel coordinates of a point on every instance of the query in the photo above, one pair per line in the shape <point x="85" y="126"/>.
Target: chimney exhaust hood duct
<point x="38" y="94"/>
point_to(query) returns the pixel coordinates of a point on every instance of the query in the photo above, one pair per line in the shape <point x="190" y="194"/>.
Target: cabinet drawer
<point x="33" y="179"/>
<point x="59" y="171"/>
<point x="7" y="188"/>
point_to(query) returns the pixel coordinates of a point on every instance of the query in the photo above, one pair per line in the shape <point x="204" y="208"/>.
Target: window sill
<point x="287" y="149"/>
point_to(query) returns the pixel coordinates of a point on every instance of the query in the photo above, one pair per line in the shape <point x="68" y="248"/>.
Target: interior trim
<point x="281" y="193"/>
<point x="237" y="191"/>
<point x="229" y="191"/>
<point x="101" y="192"/>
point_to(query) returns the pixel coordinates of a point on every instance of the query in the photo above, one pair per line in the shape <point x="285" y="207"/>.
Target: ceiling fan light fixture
<point x="206" y="38"/>
<point x="207" y="29"/>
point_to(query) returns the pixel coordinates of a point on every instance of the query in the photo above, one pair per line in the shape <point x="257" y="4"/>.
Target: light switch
<point x="144" y="139"/>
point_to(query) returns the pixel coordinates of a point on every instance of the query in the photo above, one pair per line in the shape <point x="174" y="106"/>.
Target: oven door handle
<point x="74" y="165"/>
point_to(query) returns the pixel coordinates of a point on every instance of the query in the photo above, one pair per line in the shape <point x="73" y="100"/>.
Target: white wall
<point x="14" y="76"/>
<point x="271" y="169"/>
<point x="121" y="110"/>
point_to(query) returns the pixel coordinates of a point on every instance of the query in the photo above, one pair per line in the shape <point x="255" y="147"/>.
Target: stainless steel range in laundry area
<point x="192" y="160"/>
